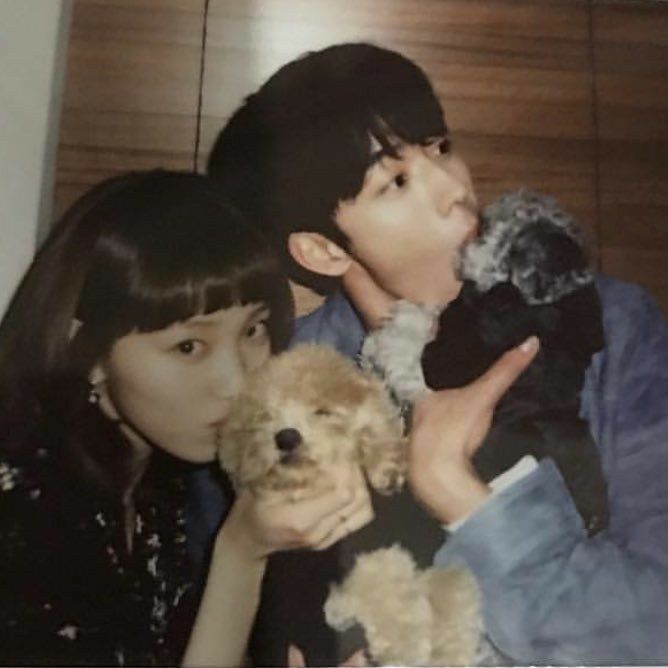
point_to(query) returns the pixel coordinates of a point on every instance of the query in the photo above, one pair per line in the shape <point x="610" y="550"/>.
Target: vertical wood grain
<point x="631" y="59"/>
<point x="131" y="90"/>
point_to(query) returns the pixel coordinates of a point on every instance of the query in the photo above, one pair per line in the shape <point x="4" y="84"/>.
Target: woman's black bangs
<point x="151" y="310"/>
<point x="157" y="301"/>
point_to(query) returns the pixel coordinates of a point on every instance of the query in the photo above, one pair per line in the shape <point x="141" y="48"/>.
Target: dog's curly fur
<point x="529" y="241"/>
<point x="341" y="415"/>
<point x="430" y="617"/>
<point x="526" y="273"/>
<point x="330" y="413"/>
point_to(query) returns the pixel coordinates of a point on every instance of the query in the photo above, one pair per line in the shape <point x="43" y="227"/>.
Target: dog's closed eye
<point x="331" y="414"/>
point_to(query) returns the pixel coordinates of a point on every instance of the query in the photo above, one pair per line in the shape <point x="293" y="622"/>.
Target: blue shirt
<point x="551" y="595"/>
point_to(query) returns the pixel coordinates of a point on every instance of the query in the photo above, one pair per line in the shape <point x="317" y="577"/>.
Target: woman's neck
<point x="138" y="463"/>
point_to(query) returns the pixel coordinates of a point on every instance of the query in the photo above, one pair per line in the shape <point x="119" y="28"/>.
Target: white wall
<point x="33" y="46"/>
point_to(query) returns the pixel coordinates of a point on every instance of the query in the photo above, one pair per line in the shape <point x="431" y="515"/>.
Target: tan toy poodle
<point x="307" y="412"/>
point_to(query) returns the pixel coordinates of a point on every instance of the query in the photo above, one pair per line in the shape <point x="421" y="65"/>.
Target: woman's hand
<point x="296" y="658"/>
<point x="261" y="526"/>
<point x="448" y="427"/>
<point x="255" y="528"/>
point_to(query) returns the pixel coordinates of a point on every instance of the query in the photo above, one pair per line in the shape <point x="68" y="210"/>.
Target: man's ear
<point x="318" y="254"/>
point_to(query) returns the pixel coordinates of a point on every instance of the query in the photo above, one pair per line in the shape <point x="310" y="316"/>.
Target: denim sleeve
<point x="335" y="324"/>
<point x="551" y="595"/>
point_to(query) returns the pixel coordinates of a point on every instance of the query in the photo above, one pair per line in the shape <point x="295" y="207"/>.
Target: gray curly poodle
<point x="527" y="273"/>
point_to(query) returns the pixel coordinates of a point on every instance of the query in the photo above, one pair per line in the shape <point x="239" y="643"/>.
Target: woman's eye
<point x="258" y="330"/>
<point x="189" y="347"/>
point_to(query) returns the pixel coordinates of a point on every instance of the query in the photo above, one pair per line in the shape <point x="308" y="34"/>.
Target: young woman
<point x="119" y="355"/>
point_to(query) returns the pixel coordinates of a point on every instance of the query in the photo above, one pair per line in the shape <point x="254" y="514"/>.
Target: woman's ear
<point x="99" y="393"/>
<point x="318" y="254"/>
<point x="97" y="375"/>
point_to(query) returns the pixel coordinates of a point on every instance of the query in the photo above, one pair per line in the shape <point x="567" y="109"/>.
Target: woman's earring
<point x="93" y="395"/>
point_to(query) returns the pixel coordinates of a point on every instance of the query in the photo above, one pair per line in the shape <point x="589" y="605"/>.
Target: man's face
<point x="410" y="219"/>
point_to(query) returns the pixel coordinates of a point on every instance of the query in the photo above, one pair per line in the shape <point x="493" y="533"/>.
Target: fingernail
<point x="530" y="345"/>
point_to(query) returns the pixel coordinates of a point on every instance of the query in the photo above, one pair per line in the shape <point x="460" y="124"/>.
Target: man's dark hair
<point x="302" y="143"/>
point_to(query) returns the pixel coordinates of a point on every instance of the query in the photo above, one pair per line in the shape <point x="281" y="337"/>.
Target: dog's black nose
<point x="287" y="439"/>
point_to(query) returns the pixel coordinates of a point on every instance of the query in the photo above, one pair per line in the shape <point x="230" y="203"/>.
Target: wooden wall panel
<point x="132" y="89"/>
<point x="631" y="59"/>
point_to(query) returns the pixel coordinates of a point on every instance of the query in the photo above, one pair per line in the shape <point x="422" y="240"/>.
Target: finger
<point x="300" y="519"/>
<point x="326" y="525"/>
<point x="356" y="660"/>
<point x="492" y="385"/>
<point x="326" y="486"/>
<point x="360" y="503"/>
<point x="295" y="657"/>
<point x="313" y="510"/>
<point x="345" y="527"/>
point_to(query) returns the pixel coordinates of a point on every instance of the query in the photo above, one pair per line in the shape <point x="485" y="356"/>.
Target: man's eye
<point x="189" y="347"/>
<point x="398" y="182"/>
<point x="443" y="146"/>
<point x="258" y="330"/>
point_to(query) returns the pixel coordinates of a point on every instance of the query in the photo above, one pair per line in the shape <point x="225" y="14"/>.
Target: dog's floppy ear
<point x="382" y="445"/>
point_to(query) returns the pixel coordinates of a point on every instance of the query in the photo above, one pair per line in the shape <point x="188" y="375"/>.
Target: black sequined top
<point x="71" y="593"/>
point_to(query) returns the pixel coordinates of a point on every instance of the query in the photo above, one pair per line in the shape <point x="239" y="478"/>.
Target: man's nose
<point x="446" y="188"/>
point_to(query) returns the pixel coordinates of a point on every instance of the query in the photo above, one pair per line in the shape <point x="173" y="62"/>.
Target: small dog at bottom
<point x="307" y="412"/>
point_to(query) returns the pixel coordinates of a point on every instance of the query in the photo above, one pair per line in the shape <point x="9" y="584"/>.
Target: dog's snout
<point x="287" y="439"/>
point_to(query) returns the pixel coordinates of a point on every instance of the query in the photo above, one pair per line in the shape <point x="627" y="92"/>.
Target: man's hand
<point x="369" y="299"/>
<point x="448" y="427"/>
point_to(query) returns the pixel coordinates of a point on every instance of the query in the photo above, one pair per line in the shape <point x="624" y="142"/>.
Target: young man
<point x="343" y="159"/>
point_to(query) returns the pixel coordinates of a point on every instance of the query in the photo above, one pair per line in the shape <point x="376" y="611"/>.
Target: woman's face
<point x="173" y="387"/>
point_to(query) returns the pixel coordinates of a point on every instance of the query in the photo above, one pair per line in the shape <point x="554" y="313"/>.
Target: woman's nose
<point x="227" y="374"/>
